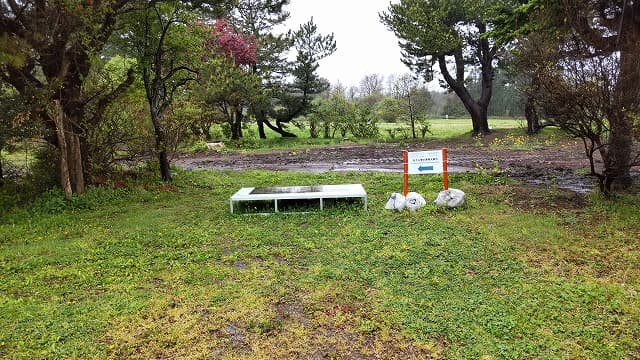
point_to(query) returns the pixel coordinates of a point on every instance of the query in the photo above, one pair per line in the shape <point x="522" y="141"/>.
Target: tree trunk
<point x="70" y="163"/>
<point x="236" y="124"/>
<point x="2" y="145"/>
<point x="1" y="173"/>
<point x="239" y="118"/>
<point x="157" y="114"/>
<point x="477" y="109"/>
<point x="76" y="165"/>
<point x="235" y="131"/>
<point x="620" y="153"/>
<point x="260" y="116"/>
<point x="530" y="113"/>
<point x="278" y="129"/>
<point x="165" y="168"/>
<point x="63" y="162"/>
<point x="313" y="128"/>
<point x="479" y="119"/>
<point x="411" y="117"/>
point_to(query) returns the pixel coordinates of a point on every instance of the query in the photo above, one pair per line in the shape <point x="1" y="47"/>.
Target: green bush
<point x="10" y="196"/>
<point x="226" y="130"/>
<point x="424" y="125"/>
<point x="364" y="123"/>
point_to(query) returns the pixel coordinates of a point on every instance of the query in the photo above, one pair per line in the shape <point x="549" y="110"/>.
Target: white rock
<point x="395" y="202"/>
<point x="414" y="201"/>
<point x="451" y="198"/>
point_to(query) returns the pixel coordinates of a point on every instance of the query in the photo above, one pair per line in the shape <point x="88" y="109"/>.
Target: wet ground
<point x="563" y="164"/>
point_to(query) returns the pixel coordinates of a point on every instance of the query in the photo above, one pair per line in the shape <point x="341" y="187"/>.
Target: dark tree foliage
<point x="586" y="73"/>
<point x="48" y="51"/>
<point x="294" y="99"/>
<point x="259" y="18"/>
<point x="163" y="38"/>
<point x="455" y="35"/>
<point x="228" y="82"/>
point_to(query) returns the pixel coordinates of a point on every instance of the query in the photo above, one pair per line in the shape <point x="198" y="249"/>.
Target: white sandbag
<point x="414" y="201"/>
<point x="215" y="145"/>
<point x="395" y="202"/>
<point x="451" y="198"/>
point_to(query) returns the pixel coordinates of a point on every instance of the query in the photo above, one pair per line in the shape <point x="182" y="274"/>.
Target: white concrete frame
<point x="320" y="192"/>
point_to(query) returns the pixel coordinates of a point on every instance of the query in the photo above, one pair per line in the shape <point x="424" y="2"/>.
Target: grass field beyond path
<point x="157" y="271"/>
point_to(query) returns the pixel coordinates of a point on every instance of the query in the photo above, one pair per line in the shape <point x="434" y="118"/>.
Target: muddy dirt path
<point x="564" y="164"/>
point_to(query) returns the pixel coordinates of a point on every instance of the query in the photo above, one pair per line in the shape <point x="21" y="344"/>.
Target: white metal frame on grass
<point x="319" y="192"/>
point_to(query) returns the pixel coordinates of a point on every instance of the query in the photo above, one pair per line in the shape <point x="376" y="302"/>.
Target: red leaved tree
<point x="228" y="82"/>
<point x="229" y="43"/>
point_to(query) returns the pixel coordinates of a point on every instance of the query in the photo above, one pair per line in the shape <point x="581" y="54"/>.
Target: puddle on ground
<point x="565" y="184"/>
<point x="544" y="177"/>
<point x="566" y="180"/>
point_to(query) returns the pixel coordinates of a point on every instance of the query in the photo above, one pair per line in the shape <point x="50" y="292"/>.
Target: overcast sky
<point x="365" y="46"/>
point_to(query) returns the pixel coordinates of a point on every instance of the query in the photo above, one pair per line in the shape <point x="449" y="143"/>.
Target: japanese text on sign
<point x="425" y="162"/>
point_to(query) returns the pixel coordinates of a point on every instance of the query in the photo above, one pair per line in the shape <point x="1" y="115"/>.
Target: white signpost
<point x="425" y="162"/>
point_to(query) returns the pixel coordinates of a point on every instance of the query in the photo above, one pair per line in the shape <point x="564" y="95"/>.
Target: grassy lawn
<point x="453" y="128"/>
<point x="156" y="271"/>
<point x="18" y="158"/>
<point x="445" y="129"/>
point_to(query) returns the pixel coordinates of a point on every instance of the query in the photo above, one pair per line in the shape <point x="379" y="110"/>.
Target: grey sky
<point x="365" y="46"/>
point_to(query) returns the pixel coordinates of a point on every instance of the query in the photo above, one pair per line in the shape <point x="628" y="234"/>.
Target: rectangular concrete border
<point x="342" y="191"/>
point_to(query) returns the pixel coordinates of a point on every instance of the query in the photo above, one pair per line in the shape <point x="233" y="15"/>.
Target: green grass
<point x="18" y="158"/>
<point x="443" y="129"/>
<point x="454" y="128"/>
<point x="155" y="271"/>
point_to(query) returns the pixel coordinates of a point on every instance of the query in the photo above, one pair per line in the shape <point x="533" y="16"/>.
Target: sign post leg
<point x="405" y="188"/>
<point x="445" y="172"/>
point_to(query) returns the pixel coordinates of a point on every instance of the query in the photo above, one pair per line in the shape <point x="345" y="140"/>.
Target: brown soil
<point x="563" y="165"/>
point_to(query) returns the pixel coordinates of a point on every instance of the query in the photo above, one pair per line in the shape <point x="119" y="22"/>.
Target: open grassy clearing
<point x="453" y="128"/>
<point x="18" y="158"/>
<point x="166" y="271"/>
<point x="445" y="129"/>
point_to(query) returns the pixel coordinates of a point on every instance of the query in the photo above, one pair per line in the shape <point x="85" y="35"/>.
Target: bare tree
<point x="416" y="100"/>
<point x="371" y="84"/>
<point x="352" y="93"/>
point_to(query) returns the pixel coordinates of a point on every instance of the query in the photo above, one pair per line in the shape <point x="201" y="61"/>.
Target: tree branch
<point x="175" y="70"/>
<point x="109" y="98"/>
<point x="592" y="36"/>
